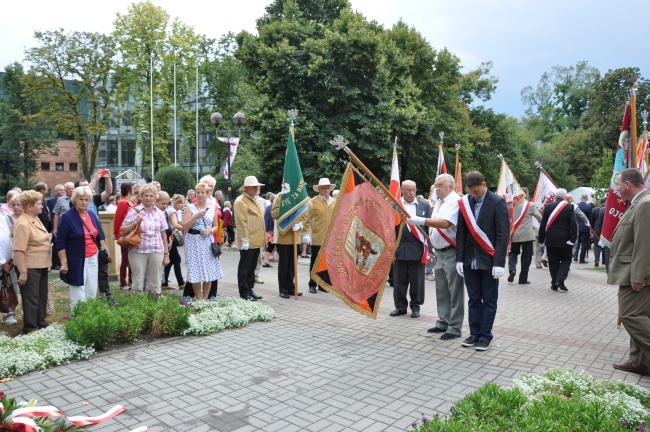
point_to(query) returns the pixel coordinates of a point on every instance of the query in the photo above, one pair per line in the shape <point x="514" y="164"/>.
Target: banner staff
<point x="340" y="143"/>
<point x="293" y="114"/>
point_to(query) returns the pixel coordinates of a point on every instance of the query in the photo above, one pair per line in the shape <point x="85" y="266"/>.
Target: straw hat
<point x="250" y="181"/>
<point x="324" y="182"/>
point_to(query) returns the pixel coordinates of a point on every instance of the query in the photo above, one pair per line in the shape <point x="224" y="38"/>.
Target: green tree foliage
<point x="175" y="180"/>
<point x="73" y="73"/>
<point x="25" y="133"/>
<point x="347" y="76"/>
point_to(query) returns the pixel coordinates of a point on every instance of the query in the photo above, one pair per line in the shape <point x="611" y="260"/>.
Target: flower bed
<point x="98" y="324"/>
<point x="557" y="400"/>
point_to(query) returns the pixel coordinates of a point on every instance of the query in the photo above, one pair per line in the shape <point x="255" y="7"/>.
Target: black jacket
<point x="410" y="248"/>
<point x="563" y="229"/>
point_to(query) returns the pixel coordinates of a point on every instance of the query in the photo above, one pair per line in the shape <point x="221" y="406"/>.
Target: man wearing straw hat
<point x="319" y="212"/>
<point x="250" y="236"/>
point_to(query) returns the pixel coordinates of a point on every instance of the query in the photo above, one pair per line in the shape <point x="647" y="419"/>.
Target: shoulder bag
<point x="8" y="298"/>
<point x="133" y="238"/>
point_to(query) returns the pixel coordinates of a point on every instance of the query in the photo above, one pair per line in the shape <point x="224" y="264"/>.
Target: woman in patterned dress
<point x="201" y="221"/>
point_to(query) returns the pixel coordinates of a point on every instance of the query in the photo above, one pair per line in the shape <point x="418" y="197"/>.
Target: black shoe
<point x="449" y="336"/>
<point x="164" y="284"/>
<point x="582" y="262"/>
<point x="595" y="264"/>
<point x="255" y="296"/>
<point x="415" y="314"/>
<point x="545" y="263"/>
<point x="482" y="345"/>
<point x="511" y="277"/>
<point x="554" y="287"/>
<point x="313" y="290"/>
<point x="469" y="342"/>
<point x="524" y="283"/>
<point x="249" y="298"/>
<point x="563" y="288"/>
<point x="397" y="312"/>
<point x="575" y="259"/>
<point x="55" y="267"/>
<point x="285" y="295"/>
<point x="435" y="330"/>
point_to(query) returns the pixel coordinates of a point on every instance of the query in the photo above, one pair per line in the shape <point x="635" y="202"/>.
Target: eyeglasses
<point x="409" y="190"/>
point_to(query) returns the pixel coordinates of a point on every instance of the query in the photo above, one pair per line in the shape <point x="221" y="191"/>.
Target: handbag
<point x="8" y="297"/>
<point x="177" y="238"/>
<point x="102" y="255"/>
<point x="133" y="238"/>
<point x="214" y="246"/>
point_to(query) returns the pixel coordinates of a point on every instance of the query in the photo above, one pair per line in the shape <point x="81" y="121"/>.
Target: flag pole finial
<point x="292" y="114"/>
<point x="442" y="137"/>
<point x="538" y="165"/>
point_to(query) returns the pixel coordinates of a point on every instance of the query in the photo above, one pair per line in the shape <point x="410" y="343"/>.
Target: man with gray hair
<point x="450" y="292"/>
<point x="558" y="231"/>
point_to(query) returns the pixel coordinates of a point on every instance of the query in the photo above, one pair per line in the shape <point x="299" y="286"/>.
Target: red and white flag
<point x="442" y="166"/>
<point x="510" y="190"/>
<point x="234" y="143"/>
<point x="544" y="193"/>
<point x="394" y="187"/>
<point x="615" y="206"/>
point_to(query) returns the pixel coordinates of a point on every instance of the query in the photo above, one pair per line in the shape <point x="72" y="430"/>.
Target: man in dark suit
<point x="583" y="230"/>
<point x="481" y="247"/>
<point x="558" y="231"/>
<point x="59" y="191"/>
<point x="595" y="216"/>
<point x="411" y="256"/>
<point x="630" y="263"/>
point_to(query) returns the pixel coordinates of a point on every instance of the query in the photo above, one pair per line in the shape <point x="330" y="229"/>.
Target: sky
<point x="523" y="38"/>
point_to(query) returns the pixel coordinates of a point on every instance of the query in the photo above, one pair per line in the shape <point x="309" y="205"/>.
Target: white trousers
<point x="89" y="288"/>
<point x="148" y="265"/>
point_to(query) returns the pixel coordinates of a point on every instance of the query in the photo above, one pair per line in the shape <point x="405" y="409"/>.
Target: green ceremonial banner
<point x="294" y="198"/>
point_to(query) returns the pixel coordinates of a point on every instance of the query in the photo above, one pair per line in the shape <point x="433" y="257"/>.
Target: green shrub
<point x="93" y="324"/>
<point x="170" y="318"/>
<point x="131" y="323"/>
<point x="143" y="303"/>
<point x="175" y="180"/>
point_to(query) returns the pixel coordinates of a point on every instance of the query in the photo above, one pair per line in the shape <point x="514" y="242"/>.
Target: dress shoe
<point x="449" y="336"/>
<point x="249" y="298"/>
<point x="397" y="312"/>
<point x="595" y="264"/>
<point x="313" y="290"/>
<point x="524" y="283"/>
<point x="628" y="366"/>
<point x="285" y="295"/>
<point x="415" y="314"/>
<point x="554" y="287"/>
<point x="563" y="288"/>
<point x="258" y="281"/>
<point x="582" y="262"/>
<point x="435" y="330"/>
<point x="511" y="277"/>
<point x="575" y="259"/>
<point x="545" y="263"/>
<point x="255" y="296"/>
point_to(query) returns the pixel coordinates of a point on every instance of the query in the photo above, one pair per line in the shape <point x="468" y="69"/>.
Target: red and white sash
<point x="446" y="237"/>
<point x="554" y="214"/>
<point x="520" y="219"/>
<point x="478" y="234"/>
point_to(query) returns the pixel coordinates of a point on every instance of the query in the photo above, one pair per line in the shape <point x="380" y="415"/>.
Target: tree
<point x="347" y="76"/>
<point x="25" y="134"/>
<point x="74" y="74"/>
<point x="175" y="180"/>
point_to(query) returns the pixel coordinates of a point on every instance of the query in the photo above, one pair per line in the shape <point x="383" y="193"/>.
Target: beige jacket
<point x="319" y="214"/>
<point x="630" y="246"/>
<point x="249" y="219"/>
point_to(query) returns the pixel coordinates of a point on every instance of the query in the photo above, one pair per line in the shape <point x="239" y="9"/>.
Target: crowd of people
<point x="466" y="243"/>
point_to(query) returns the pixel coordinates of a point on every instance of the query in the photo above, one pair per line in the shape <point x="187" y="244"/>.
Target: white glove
<point x="416" y="220"/>
<point x="497" y="272"/>
<point x="587" y="224"/>
<point x="569" y="243"/>
<point x="600" y="243"/>
<point x="244" y="246"/>
<point x="459" y="269"/>
<point x="306" y="239"/>
<point x="297" y="227"/>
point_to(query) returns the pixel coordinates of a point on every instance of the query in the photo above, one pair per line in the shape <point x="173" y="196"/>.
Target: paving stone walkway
<point x="318" y="366"/>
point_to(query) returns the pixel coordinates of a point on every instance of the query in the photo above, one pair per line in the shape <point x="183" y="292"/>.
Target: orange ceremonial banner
<point x="359" y="246"/>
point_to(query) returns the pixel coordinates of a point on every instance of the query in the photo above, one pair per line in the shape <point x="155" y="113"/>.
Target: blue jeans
<point x="483" y="293"/>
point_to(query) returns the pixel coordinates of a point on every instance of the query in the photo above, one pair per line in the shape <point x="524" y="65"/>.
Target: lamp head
<point x="216" y="119"/>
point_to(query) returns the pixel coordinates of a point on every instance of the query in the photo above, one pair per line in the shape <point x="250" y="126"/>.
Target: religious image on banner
<point x="234" y="143"/>
<point x="544" y="193"/>
<point x="359" y="246"/>
<point x="615" y="206"/>
<point x="510" y="190"/>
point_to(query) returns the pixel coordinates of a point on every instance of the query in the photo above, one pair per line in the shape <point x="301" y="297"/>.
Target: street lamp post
<point x="145" y="134"/>
<point x="239" y="120"/>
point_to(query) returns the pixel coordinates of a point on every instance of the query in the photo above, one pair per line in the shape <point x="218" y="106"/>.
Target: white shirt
<point x="446" y="209"/>
<point x="411" y="208"/>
